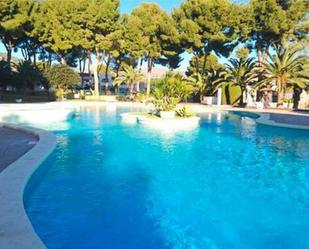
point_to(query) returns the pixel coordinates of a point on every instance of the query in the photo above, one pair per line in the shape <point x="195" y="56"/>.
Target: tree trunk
<point x="9" y="55"/>
<point x="196" y="57"/>
<point x="241" y="97"/>
<point x="149" y="75"/>
<point x="24" y="54"/>
<point x="281" y="92"/>
<point x="137" y="87"/>
<point x="84" y="65"/>
<point x="266" y="53"/>
<point x="9" y="47"/>
<point x="96" y="79"/>
<point x="204" y="63"/>
<point x="131" y="90"/>
<point x="106" y="74"/>
<point x="63" y="61"/>
<point x="49" y="59"/>
<point x="262" y="55"/>
<point x="34" y="57"/>
<point x="259" y="54"/>
<point x="62" y="93"/>
<point x="140" y="64"/>
<point x="80" y="65"/>
<point x="94" y="66"/>
<point x="280" y="98"/>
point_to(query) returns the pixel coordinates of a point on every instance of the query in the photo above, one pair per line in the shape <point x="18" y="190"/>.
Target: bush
<point x="165" y="104"/>
<point x="5" y="74"/>
<point x="10" y="97"/>
<point x="141" y="97"/>
<point x="169" y="91"/>
<point x="28" y="76"/>
<point x="230" y="94"/>
<point x="25" y="76"/>
<point x="185" y="112"/>
<point x="123" y="98"/>
<point x="61" y="76"/>
<point x="173" y="85"/>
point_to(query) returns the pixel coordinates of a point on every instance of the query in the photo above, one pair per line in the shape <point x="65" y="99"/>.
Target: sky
<point x="127" y="5"/>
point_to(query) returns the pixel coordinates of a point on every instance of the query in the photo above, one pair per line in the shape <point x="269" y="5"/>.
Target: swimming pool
<point x="230" y="184"/>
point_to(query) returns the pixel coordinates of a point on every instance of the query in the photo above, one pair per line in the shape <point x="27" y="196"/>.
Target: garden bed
<point x="151" y="120"/>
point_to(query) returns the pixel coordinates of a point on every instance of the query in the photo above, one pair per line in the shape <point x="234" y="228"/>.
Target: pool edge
<point x="265" y="119"/>
<point x="16" y="230"/>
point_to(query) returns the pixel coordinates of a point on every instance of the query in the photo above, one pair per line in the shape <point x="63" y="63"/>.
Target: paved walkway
<point x="14" y="144"/>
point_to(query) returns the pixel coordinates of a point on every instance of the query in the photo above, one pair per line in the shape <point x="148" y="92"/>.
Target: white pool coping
<point x="16" y="230"/>
<point x="166" y="125"/>
<point x="264" y="115"/>
<point x="265" y="119"/>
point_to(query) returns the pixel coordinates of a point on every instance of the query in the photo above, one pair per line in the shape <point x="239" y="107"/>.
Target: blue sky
<point x="128" y="5"/>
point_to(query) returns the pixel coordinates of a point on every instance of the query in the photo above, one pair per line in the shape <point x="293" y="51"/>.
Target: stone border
<point x="264" y="115"/>
<point x="166" y="125"/>
<point x="16" y="230"/>
<point x="265" y="120"/>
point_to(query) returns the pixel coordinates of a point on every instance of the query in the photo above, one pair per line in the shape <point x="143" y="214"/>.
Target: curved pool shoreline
<point x="16" y="230"/>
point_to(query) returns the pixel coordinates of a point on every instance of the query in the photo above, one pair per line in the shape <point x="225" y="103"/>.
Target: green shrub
<point x="10" y="97"/>
<point x="123" y="98"/>
<point x="61" y="76"/>
<point x="5" y="74"/>
<point x="58" y="93"/>
<point x="69" y="95"/>
<point x="169" y="91"/>
<point x="28" y="75"/>
<point x="172" y="85"/>
<point x="166" y="105"/>
<point x="141" y="97"/>
<point x="230" y="94"/>
<point x="185" y="112"/>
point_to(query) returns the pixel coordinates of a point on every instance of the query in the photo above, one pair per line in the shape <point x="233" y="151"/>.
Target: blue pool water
<point x="230" y="184"/>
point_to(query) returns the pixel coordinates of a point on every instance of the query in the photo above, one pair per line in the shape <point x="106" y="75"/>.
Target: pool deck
<point x="16" y="230"/>
<point x="13" y="144"/>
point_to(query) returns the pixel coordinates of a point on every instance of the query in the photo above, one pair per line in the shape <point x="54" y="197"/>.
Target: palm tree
<point x="129" y="76"/>
<point x="207" y="83"/>
<point x="241" y="72"/>
<point x="286" y="68"/>
<point x="197" y="81"/>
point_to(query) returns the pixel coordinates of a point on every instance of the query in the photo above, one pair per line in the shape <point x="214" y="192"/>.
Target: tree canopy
<point x="95" y="33"/>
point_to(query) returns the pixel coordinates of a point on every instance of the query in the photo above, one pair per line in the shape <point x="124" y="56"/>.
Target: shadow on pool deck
<point x="290" y="119"/>
<point x="14" y="144"/>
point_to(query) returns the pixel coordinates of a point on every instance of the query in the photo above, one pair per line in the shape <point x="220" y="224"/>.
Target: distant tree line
<point x="94" y="34"/>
